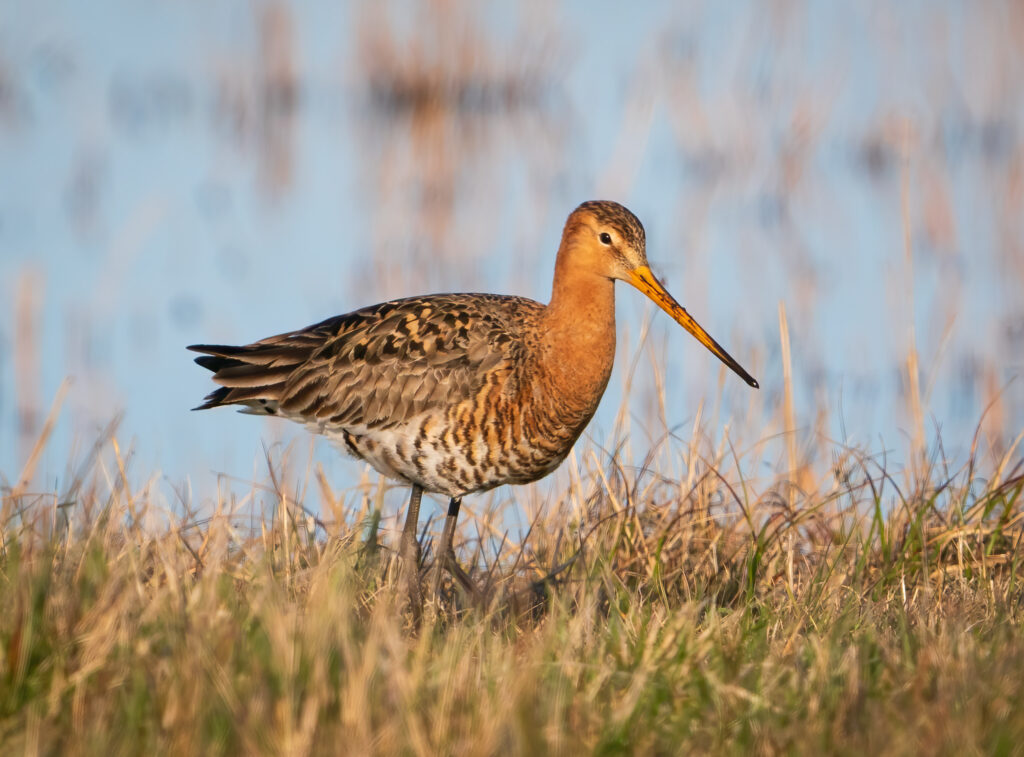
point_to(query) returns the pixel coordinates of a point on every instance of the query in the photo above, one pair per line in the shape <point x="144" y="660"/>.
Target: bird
<point x="457" y="394"/>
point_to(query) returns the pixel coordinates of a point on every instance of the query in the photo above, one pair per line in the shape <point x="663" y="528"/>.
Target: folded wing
<point x="374" y="367"/>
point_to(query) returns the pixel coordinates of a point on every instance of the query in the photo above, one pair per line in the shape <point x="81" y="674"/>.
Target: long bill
<point x="646" y="282"/>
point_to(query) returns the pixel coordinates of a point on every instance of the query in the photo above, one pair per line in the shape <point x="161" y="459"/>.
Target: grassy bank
<point x="863" y="614"/>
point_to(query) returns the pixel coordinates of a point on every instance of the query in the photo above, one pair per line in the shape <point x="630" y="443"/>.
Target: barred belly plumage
<point x="455" y="455"/>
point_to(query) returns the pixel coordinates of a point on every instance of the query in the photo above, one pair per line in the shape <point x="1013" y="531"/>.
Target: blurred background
<point x="177" y="172"/>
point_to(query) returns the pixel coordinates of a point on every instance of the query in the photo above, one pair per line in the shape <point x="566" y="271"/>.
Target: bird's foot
<point x="447" y="561"/>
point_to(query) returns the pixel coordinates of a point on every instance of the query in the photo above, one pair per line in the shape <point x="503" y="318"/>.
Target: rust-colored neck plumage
<point x="578" y="345"/>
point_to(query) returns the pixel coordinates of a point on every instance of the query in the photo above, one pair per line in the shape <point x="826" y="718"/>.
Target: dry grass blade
<point x="25" y="478"/>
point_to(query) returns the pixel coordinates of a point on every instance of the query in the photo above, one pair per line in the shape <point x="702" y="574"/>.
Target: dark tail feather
<point x="217" y="356"/>
<point x="245" y="374"/>
<point x="215" y="363"/>
<point x="216" y="398"/>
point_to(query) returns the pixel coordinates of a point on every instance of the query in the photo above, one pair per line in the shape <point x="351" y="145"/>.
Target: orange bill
<point x="645" y="281"/>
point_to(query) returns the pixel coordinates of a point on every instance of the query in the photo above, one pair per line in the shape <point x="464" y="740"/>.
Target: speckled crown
<point x="619" y="216"/>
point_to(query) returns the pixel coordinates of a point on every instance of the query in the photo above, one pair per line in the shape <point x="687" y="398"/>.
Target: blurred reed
<point x="26" y="307"/>
<point x="258" y="100"/>
<point x="449" y="115"/>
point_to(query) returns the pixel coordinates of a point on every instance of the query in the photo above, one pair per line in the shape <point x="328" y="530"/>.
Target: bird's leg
<point x="445" y="553"/>
<point x="446" y="556"/>
<point x="409" y="551"/>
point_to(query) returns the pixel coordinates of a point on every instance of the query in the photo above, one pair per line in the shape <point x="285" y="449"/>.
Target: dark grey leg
<point x="445" y="553"/>
<point x="409" y="551"/>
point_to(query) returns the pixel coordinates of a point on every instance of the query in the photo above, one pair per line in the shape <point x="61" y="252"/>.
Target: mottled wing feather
<point x="374" y="367"/>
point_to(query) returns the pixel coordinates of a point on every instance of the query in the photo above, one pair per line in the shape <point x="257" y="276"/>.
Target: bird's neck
<point x="579" y="333"/>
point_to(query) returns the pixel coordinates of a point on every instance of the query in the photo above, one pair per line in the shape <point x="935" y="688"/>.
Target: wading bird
<point x="459" y="393"/>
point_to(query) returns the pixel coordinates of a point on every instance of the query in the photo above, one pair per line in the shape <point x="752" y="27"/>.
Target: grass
<point x="639" y="615"/>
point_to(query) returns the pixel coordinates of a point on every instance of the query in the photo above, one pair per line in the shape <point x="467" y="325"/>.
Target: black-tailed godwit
<point x="459" y="393"/>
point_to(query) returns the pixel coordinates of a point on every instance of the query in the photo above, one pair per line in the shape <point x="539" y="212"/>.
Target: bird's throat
<point x="579" y="334"/>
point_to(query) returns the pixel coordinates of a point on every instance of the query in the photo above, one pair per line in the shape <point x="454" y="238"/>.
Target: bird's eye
<point x="605" y="238"/>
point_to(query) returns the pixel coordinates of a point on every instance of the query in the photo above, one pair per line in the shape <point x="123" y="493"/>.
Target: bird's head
<point x="607" y="239"/>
